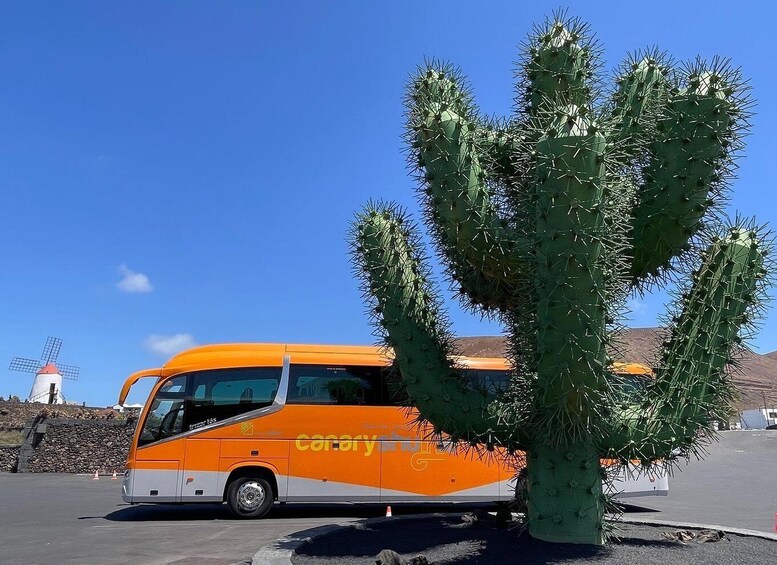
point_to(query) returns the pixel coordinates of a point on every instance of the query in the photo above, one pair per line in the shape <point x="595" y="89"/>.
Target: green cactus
<point x="548" y="221"/>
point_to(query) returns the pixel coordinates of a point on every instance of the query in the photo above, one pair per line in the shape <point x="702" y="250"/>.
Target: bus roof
<point x="632" y="369"/>
<point x="226" y="355"/>
<point x="232" y="355"/>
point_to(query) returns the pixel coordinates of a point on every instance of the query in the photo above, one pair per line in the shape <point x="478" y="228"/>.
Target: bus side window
<point x="629" y="387"/>
<point x="200" y="392"/>
<point x="322" y="384"/>
<point x="224" y="393"/>
<point x="492" y="381"/>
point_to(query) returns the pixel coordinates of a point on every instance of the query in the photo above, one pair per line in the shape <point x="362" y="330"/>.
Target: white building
<point x="758" y="418"/>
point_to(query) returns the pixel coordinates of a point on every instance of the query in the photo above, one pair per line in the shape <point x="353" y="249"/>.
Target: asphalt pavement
<point x="735" y="485"/>
<point x="75" y="520"/>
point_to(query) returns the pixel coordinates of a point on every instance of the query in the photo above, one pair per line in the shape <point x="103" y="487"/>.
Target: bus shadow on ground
<point x="198" y="512"/>
<point x="635" y="509"/>
<point x="168" y="513"/>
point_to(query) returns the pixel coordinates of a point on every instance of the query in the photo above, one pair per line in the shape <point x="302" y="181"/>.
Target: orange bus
<point x="251" y="424"/>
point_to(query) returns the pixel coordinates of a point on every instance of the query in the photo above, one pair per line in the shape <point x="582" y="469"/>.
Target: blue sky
<point x="185" y="172"/>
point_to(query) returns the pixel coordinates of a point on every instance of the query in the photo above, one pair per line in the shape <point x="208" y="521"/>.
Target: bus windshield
<point x="192" y="401"/>
<point x="165" y="416"/>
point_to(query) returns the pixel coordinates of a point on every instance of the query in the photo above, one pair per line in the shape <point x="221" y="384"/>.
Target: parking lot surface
<point x="735" y="485"/>
<point x="69" y="519"/>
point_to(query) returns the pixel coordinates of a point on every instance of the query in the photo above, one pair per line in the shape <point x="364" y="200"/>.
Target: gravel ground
<point x="449" y="540"/>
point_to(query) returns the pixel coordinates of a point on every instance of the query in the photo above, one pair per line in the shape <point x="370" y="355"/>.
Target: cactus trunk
<point x="565" y="499"/>
<point x="547" y="221"/>
<point x="570" y="282"/>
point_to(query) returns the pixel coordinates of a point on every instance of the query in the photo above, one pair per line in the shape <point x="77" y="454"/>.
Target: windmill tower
<point x="47" y="386"/>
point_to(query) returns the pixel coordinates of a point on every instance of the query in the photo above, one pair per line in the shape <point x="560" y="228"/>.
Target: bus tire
<point x="250" y="497"/>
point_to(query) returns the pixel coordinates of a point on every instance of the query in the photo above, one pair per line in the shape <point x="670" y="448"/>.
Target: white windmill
<point x="47" y="386"/>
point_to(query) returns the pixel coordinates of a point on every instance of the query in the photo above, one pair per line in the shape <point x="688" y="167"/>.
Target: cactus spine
<point x="548" y="221"/>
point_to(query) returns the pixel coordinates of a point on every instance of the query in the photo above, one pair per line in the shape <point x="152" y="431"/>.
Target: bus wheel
<point x="250" y="497"/>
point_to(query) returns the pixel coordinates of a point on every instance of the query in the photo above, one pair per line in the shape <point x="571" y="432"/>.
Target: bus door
<point x="199" y="475"/>
<point x="159" y="455"/>
<point x="217" y="397"/>
<point x="335" y="454"/>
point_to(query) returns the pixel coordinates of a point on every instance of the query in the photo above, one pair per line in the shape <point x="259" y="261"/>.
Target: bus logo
<point x="420" y="461"/>
<point x="247" y="428"/>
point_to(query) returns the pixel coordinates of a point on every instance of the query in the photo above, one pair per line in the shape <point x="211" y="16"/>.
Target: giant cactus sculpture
<point x="548" y="221"/>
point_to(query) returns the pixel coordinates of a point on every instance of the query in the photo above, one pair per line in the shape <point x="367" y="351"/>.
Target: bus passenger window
<point x="225" y="393"/>
<point x="321" y="384"/>
<point x="491" y="381"/>
<point x="629" y="388"/>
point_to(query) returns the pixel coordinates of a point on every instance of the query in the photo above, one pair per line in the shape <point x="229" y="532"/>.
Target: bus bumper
<point x="126" y="486"/>
<point x="631" y="481"/>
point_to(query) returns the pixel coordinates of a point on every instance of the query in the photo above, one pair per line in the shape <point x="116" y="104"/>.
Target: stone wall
<point x="9" y="457"/>
<point x="63" y="445"/>
<point x="64" y="438"/>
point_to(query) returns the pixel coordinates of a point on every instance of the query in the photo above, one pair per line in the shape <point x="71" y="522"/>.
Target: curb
<point x="726" y="529"/>
<point x="280" y="551"/>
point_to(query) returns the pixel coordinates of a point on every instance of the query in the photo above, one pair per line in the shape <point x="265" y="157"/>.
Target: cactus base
<point x="566" y="504"/>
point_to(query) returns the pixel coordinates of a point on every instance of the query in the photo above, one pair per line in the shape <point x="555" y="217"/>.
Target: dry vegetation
<point x="10" y="437"/>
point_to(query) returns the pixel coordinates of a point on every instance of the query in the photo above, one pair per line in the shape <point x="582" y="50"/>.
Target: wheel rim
<point x="250" y="496"/>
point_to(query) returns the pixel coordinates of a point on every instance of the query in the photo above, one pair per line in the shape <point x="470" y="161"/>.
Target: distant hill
<point x="757" y="377"/>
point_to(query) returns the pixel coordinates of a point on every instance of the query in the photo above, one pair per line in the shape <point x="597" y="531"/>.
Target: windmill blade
<point x="51" y="350"/>
<point x="25" y="365"/>
<point x="69" y="371"/>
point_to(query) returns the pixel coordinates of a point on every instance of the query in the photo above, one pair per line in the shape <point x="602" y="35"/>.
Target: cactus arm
<point x="558" y="69"/>
<point x="417" y="331"/>
<point x="484" y="253"/>
<point x="500" y="146"/>
<point x="634" y="108"/>
<point x="460" y="201"/>
<point x="570" y="282"/>
<point x="686" y="162"/>
<point x="691" y="387"/>
<point x="642" y="91"/>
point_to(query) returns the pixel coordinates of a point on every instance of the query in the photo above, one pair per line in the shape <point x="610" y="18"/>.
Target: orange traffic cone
<point x="388" y="511"/>
<point x="114" y="477"/>
<point x="96" y="475"/>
